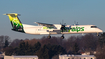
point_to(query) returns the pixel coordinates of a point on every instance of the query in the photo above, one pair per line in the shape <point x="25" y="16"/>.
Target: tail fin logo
<point x="15" y="22"/>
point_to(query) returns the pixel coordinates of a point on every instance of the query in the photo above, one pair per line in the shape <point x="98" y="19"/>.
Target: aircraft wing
<point x="45" y="24"/>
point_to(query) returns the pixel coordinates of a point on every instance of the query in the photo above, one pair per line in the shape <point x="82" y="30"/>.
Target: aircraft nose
<point x="100" y="31"/>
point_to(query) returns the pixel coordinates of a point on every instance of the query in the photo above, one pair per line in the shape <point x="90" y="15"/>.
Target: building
<point x="20" y="57"/>
<point x="77" y="57"/>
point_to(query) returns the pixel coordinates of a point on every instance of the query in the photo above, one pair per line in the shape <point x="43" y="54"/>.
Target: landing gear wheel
<point x="62" y="36"/>
<point x="49" y="37"/>
<point x="97" y="34"/>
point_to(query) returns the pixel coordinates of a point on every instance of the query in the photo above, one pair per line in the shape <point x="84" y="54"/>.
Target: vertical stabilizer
<point x="15" y="22"/>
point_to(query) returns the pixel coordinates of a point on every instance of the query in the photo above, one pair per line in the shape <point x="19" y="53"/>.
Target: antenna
<point x="76" y="23"/>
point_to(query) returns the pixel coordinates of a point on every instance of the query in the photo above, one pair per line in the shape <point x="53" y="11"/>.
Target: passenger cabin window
<point x="93" y="26"/>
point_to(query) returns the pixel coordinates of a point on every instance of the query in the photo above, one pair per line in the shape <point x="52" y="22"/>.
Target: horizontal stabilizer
<point x="12" y="14"/>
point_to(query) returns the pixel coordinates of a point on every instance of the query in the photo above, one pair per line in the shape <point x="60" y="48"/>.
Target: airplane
<point x="49" y="29"/>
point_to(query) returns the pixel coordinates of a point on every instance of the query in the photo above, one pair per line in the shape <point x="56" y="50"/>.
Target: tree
<point x="48" y="51"/>
<point x="76" y="48"/>
<point x="44" y="53"/>
<point x="102" y="39"/>
<point x="6" y="43"/>
<point x="88" y="41"/>
<point x="69" y="44"/>
<point x="26" y="49"/>
<point x="8" y="51"/>
<point x="36" y="46"/>
<point x="1" y="41"/>
<point x="21" y="49"/>
<point x="100" y="53"/>
<point x="15" y="43"/>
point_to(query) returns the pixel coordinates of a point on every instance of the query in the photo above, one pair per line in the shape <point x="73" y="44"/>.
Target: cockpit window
<point x="93" y="26"/>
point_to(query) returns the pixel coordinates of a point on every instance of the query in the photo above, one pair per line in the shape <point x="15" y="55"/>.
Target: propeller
<point x="62" y="26"/>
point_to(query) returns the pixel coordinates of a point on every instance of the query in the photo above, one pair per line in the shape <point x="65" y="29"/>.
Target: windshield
<point x="93" y="26"/>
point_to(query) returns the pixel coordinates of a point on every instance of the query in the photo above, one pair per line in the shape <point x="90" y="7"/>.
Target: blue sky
<point x="51" y="11"/>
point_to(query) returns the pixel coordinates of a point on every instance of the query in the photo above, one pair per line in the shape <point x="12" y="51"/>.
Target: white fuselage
<point x="38" y="30"/>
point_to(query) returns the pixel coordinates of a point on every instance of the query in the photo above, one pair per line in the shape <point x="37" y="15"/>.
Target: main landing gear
<point x="62" y="36"/>
<point x="49" y="37"/>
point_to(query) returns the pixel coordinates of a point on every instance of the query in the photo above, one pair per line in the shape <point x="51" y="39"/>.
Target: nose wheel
<point x="97" y="34"/>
